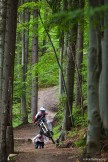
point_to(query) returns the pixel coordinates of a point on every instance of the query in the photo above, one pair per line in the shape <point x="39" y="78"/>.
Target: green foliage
<point x="29" y="5"/>
<point x="17" y="81"/>
<point x="16" y="115"/>
<point x="97" y="10"/>
<point x="85" y="55"/>
<point x="61" y="105"/>
<point x="79" y="119"/>
<point x="59" y="115"/>
<point x="47" y="70"/>
<point x="73" y="133"/>
<point x="80" y="143"/>
<point x="78" y="136"/>
<point x="84" y="76"/>
<point x="62" y="101"/>
<point x="54" y="5"/>
<point x="65" y="19"/>
<point x="56" y="130"/>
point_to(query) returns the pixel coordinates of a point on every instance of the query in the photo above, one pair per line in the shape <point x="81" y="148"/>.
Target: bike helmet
<point x="42" y="109"/>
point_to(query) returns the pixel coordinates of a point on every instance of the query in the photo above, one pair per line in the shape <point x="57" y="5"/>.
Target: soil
<point x="24" y="148"/>
<point x="26" y="152"/>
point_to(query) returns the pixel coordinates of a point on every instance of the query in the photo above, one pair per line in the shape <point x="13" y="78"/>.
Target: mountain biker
<point x="39" y="140"/>
<point x="41" y="115"/>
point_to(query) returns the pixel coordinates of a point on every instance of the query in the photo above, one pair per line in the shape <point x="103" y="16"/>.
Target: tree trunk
<point x="34" y="99"/>
<point x="104" y="77"/>
<point x="61" y="86"/>
<point x="9" y="140"/>
<point x="2" y="37"/>
<point x="70" y="70"/>
<point x="24" y="114"/>
<point x="94" y="69"/>
<point x="79" y="60"/>
<point x="8" y="49"/>
<point x="5" y="83"/>
<point x="12" y="34"/>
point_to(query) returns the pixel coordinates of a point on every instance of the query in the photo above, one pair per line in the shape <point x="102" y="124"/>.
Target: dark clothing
<point x="39" y="144"/>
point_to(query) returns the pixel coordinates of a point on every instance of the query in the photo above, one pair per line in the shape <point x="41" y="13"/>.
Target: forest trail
<point x="23" y="145"/>
<point x="24" y="148"/>
<point x="26" y="152"/>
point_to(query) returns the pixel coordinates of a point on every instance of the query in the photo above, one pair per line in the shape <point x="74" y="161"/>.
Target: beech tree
<point x="70" y="68"/>
<point x="34" y="89"/>
<point x="10" y="9"/>
<point x="104" y="76"/>
<point x="97" y="76"/>
<point x="12" y="33"/>
<point x="2" y="120"/>
<point x="24" y="114"/>
<point x="79" y="58"/>
<point x="2" y="36"/>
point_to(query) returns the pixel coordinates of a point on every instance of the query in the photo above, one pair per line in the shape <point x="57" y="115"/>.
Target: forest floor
<point x="25" y="150"/>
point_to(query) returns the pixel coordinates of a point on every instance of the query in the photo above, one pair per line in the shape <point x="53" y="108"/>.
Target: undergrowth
<point x="78" y="132"/>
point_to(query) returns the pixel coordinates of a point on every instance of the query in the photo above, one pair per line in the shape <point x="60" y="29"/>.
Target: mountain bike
<point x="45" y="130"/>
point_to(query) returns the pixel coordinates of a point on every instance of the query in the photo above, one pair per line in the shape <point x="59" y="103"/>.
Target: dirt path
<point x="23" y="146"/>
<point x="27" y="153"/>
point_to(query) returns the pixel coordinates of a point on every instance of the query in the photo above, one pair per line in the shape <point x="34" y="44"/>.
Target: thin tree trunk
<point x="79" y="60"/>
<point x="44" y="36"/>
<point x="34" y="99"/>
<point x="61" y="86"/>
<point x="24" y="114"/>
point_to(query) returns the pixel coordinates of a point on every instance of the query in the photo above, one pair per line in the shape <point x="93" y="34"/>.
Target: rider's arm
<point x="36" y="117"/>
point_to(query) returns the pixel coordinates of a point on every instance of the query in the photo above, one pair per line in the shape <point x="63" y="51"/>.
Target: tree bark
<point x="104" y="76"/>
<point x="7" y="69"/>
<point x="24" y="114"/>
<point x="3" y="5"/>
<point x="12" y="34"/>
<point x="79" y="60"/>
<point x="34" y="96"/>
<point x="2" y="39"/>
<point x="94" y="69"/>
<point x="61" y="86"/>
<point x="70" y="69"/>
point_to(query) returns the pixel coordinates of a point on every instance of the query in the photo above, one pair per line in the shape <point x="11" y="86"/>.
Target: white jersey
<point x="40" y="138"/>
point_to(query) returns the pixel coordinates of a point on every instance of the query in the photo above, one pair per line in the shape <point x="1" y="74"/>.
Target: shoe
<point x="36" y="146"/>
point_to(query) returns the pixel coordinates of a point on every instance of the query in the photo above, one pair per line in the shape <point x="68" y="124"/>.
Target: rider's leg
<point x="42" y="144"/>
<point x="49" y="125"/>
<point x="39" y="145"/>
<point x="36" y="145"/>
